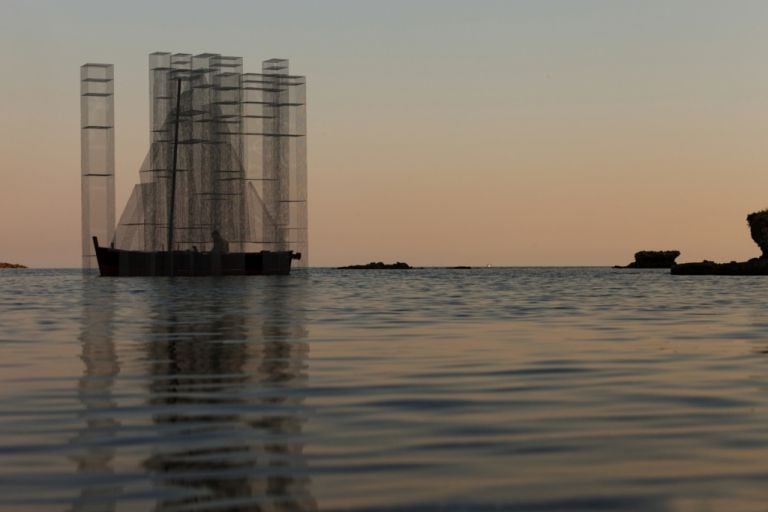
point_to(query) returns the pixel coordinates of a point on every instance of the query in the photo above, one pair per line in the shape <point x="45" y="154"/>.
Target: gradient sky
<point x="441" y="132"/>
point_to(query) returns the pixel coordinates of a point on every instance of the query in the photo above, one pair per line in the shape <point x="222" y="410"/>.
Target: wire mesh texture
<point x="241" y="169"/>
<point x="97" y="165"/>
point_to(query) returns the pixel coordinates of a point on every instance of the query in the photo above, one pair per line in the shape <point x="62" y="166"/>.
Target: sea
<point x="501" y="389"/>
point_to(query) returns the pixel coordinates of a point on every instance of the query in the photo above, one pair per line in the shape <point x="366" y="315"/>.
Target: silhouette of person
<point x="220" y="248"/>
<point x="220" y="245"/>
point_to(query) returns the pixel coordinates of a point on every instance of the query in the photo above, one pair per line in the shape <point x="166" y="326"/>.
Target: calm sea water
<point x="485" y="389"/>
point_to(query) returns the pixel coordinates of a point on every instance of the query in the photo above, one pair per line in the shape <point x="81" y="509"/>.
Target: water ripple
<point x="535" y="389"/>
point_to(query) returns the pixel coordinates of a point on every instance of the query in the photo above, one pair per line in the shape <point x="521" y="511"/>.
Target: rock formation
<point x="758" y="228"/>
<point x="653" y="259"/>
<point x="11" y="265"/>
<point x="378" y="266"/>
<point x="753" y="267"/>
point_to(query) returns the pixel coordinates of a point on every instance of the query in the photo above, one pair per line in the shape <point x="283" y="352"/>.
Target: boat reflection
<point x="227" y="375"/>
<point x="95" y="456"/>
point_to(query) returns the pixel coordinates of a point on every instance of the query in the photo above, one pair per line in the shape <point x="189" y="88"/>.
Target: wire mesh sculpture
<point x="241" y="158"/>
<point x="97" y="138"/>
<point x="235" y="148"/>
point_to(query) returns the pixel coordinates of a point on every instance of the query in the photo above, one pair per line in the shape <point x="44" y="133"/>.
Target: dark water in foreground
<point x="486" y="389"/>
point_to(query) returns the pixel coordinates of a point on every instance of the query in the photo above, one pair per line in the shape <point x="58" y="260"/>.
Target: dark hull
<point x="122" y="263"/>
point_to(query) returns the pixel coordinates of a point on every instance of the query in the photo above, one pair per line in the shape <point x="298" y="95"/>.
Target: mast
<point x="173" y="178"/>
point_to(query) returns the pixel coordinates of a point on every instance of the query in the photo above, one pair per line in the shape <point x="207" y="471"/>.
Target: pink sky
<point x="511" y="133"/>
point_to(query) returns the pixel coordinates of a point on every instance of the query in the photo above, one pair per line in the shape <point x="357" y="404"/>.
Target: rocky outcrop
<point x="377" y="265"/>
<point x="653" y="259"/>
<point x="758" y="228"/>
<point x="11" y="265"/>
<point x="753" y="267"/>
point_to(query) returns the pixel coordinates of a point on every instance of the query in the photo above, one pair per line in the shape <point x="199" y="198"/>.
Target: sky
<point x="440" y="132"/>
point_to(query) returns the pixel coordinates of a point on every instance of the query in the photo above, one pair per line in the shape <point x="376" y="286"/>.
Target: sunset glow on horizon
<point x="439" y="132"/>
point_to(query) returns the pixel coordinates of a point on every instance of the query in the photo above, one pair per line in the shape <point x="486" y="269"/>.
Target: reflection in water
<point x="94" y="391"/>
<point x="495" y="389"/>
<point x="224" y="375"/>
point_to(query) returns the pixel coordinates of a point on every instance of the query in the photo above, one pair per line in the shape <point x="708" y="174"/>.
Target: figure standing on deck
<point x="220" y="245"/>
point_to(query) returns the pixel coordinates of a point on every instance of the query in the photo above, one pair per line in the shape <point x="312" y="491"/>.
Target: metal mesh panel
<point x="97" y="157"/>
<point x="284" y="158"/>
<point x="241" y="159"/>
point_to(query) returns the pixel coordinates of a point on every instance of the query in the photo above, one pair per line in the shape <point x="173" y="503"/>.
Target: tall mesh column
<point x="285" y="160"/>
<point x="298" y="228"/>
<point x="228" y="190"/>
<point x="253" y="89"/>
<point x="181" y="65"/>
<point x="156" y="170"/>
<point x="97" y="157"/>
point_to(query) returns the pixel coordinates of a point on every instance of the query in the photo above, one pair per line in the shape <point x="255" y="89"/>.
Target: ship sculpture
<point x="223" y="186"/>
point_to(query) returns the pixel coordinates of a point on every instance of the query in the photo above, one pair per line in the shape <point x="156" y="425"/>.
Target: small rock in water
<point x="378" y="265"/>
<point x="653" y="259"/>
<point x="11" y="265"/>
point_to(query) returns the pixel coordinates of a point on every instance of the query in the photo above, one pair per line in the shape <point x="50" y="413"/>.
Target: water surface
<point x="431" y="389"/>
